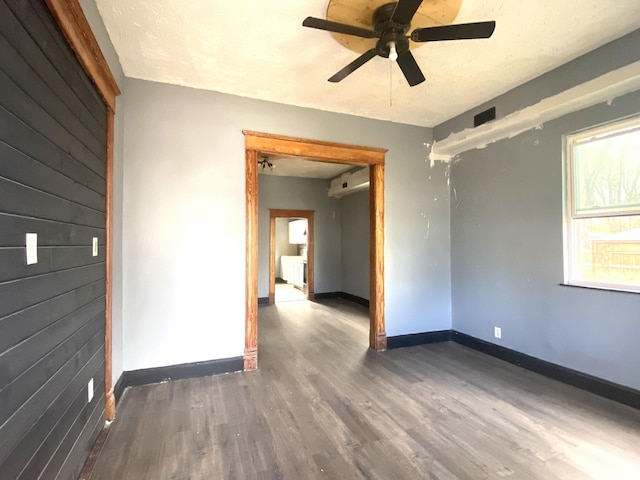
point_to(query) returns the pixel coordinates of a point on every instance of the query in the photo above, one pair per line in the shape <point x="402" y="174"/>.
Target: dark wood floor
<point x="322" y="406"/>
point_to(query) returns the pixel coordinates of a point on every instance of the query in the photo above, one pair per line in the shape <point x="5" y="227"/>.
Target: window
<point x="602" y="207"/>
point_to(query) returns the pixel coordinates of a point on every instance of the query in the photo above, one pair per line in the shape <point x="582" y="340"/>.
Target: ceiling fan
<point x="391" y="22"/>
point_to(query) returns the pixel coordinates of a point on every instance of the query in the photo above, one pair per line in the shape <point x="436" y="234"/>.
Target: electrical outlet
<point x="90" y="391"/>
<point x="95" y="247"/>
<point x="497" y="332"/>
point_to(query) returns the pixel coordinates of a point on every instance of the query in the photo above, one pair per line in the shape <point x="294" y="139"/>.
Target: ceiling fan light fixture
<point x="264" y="163"/>
<point x="393" y="53"/>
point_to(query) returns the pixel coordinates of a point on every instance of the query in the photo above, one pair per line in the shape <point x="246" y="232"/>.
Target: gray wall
<point x="95" y="20"/>
<point x="507" y="256"/>
<point x="355" y="244"/>
<point x="507" y="235"/>
<point x="283" y="247"/>
<point x="184" y="219"/>
<point x="301" y="194"/>
<point x="417" y="248"/>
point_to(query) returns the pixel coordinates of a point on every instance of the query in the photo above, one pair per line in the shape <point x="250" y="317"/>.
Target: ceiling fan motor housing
<point x="389" y="30"/>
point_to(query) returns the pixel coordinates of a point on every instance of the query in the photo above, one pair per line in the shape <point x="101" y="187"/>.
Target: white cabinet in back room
<point x="297" y="274"/>
<point x="292" y="268"/>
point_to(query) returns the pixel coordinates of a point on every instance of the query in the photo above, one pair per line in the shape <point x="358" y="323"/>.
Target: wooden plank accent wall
<point x="77" y="31"/>
<point x="53" y="182"/>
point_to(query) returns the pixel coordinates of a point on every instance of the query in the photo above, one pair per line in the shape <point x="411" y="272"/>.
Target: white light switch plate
<point x="90" y="391"/>
<point x="497" y="332"/>
<point x="31" y="242"/>
<point x="95" y="247"/>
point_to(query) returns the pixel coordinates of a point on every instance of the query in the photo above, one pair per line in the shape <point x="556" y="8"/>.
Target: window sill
<point x="594" y="287"/>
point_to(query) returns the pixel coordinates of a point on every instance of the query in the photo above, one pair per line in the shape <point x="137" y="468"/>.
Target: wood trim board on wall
<point x="76" y="29"/>
<point x="265" y="143"/>
<point x="281" y="213"/>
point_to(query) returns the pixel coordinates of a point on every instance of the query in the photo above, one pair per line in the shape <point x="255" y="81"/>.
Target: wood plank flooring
<point x="322" y="406"/>
<point x="285" y="292"/>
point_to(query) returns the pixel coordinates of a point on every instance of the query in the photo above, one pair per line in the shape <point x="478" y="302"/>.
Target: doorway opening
<point x="257" y="143"/>
<point x="297" y="272"/>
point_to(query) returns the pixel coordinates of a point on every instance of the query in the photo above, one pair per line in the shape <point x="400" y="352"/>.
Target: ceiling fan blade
<point x="463" y="31"/>
<point x="410" y="69"/>
<point x="353" y="66"/>
<point x="336" y="27"/>
<point x="405" y="10"/>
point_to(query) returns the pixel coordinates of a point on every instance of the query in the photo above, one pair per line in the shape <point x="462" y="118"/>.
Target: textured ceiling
<point x="258" y="49"/>
<point x="297" y="167"/>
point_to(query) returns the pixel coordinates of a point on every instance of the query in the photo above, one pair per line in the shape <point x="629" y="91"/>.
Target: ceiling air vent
<point x="349" y="182"/>
<point x="484" y="117"/>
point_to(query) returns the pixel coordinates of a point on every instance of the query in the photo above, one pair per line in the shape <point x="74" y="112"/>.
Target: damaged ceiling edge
<point x="601" y="89"/>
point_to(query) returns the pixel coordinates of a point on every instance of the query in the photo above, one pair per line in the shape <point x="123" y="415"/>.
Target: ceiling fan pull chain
<point x="390" y="84"/>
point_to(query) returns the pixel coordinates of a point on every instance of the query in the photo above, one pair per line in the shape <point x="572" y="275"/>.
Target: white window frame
<point x="569" y="211"/>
